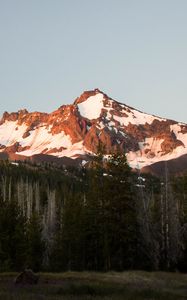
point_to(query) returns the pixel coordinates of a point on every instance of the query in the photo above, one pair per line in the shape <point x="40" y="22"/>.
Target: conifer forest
<point x="102" y="217"/>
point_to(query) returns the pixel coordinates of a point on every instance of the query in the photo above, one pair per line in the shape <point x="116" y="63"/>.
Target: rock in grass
<point x="27" y="277"/>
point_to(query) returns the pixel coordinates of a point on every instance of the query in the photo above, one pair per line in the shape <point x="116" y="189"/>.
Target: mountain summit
<point x="75" y="131"/>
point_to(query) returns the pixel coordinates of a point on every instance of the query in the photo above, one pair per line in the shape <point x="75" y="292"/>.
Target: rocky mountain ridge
<point x="75" y="131"/>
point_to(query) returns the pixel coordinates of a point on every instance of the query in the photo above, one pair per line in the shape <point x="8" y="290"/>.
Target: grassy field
<point x="107" y="286"/>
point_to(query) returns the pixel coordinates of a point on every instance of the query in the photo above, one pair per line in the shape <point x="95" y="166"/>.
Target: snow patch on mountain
<point x="176" y="128"/>
<point x="151" y="144"/>
<point x="11" y="132"/>
<point x="136" y="117"/>
<point x="91" y="108"/>
<point x="40" y="140"/>
<point x="143" y="118"/>
<point x="73" y="151"/>
<point x="139" y="160"/>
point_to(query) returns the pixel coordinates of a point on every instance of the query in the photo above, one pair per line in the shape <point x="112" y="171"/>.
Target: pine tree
<point x="121" y="213"/>
<point x="12" y="237"/>
<point x="35" y="243"/>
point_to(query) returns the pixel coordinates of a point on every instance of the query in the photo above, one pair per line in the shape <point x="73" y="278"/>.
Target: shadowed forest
<point x="100" y="218"/>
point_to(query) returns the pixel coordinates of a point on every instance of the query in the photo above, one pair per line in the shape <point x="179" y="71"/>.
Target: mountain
<point x="74" y="131"/>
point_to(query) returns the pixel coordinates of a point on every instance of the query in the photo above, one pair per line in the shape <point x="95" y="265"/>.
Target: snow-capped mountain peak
<point x="75" y="130"/>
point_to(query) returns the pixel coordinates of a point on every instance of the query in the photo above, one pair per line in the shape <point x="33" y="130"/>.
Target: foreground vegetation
<point x="135" y="285"/>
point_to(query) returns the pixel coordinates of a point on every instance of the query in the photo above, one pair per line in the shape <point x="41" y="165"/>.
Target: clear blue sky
<point x="134" y="50"/>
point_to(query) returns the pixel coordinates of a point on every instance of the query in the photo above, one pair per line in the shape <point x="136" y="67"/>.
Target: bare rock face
<point x="72" y="125"/>
<point x="13" y="148"/>
<point x="86" y="94"/>
<point x="27" y="277"/>
<point x="139" y="132"/>
<point x="91" y="140"/>
<point x="15" y="116"/>
<point x="170" y="143"/>
<point x="183" y="129"/>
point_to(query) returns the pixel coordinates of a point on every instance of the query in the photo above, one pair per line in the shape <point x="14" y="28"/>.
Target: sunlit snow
<point x="11" y="132"/>
<point x="41" y="139"/>
<point x="91" y="108"/>
<point x="136" y="117"/>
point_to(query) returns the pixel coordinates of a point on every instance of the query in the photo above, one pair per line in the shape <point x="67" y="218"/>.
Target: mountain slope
<point x="75" y="131"/>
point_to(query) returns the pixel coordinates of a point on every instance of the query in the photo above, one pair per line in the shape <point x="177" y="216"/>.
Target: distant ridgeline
<point x="99" y="218"/>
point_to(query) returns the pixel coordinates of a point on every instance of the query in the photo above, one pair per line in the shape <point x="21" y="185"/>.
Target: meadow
<point x="131" y="285"/>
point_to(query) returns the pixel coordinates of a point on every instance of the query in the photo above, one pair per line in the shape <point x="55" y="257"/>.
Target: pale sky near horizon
<point x="133" y="50"/>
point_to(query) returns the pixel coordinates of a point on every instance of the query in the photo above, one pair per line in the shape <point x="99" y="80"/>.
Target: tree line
<point x="104" y="217"/>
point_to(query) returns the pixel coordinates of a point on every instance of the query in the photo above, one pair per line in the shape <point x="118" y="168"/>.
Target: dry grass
<point x="135" y="285"/>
